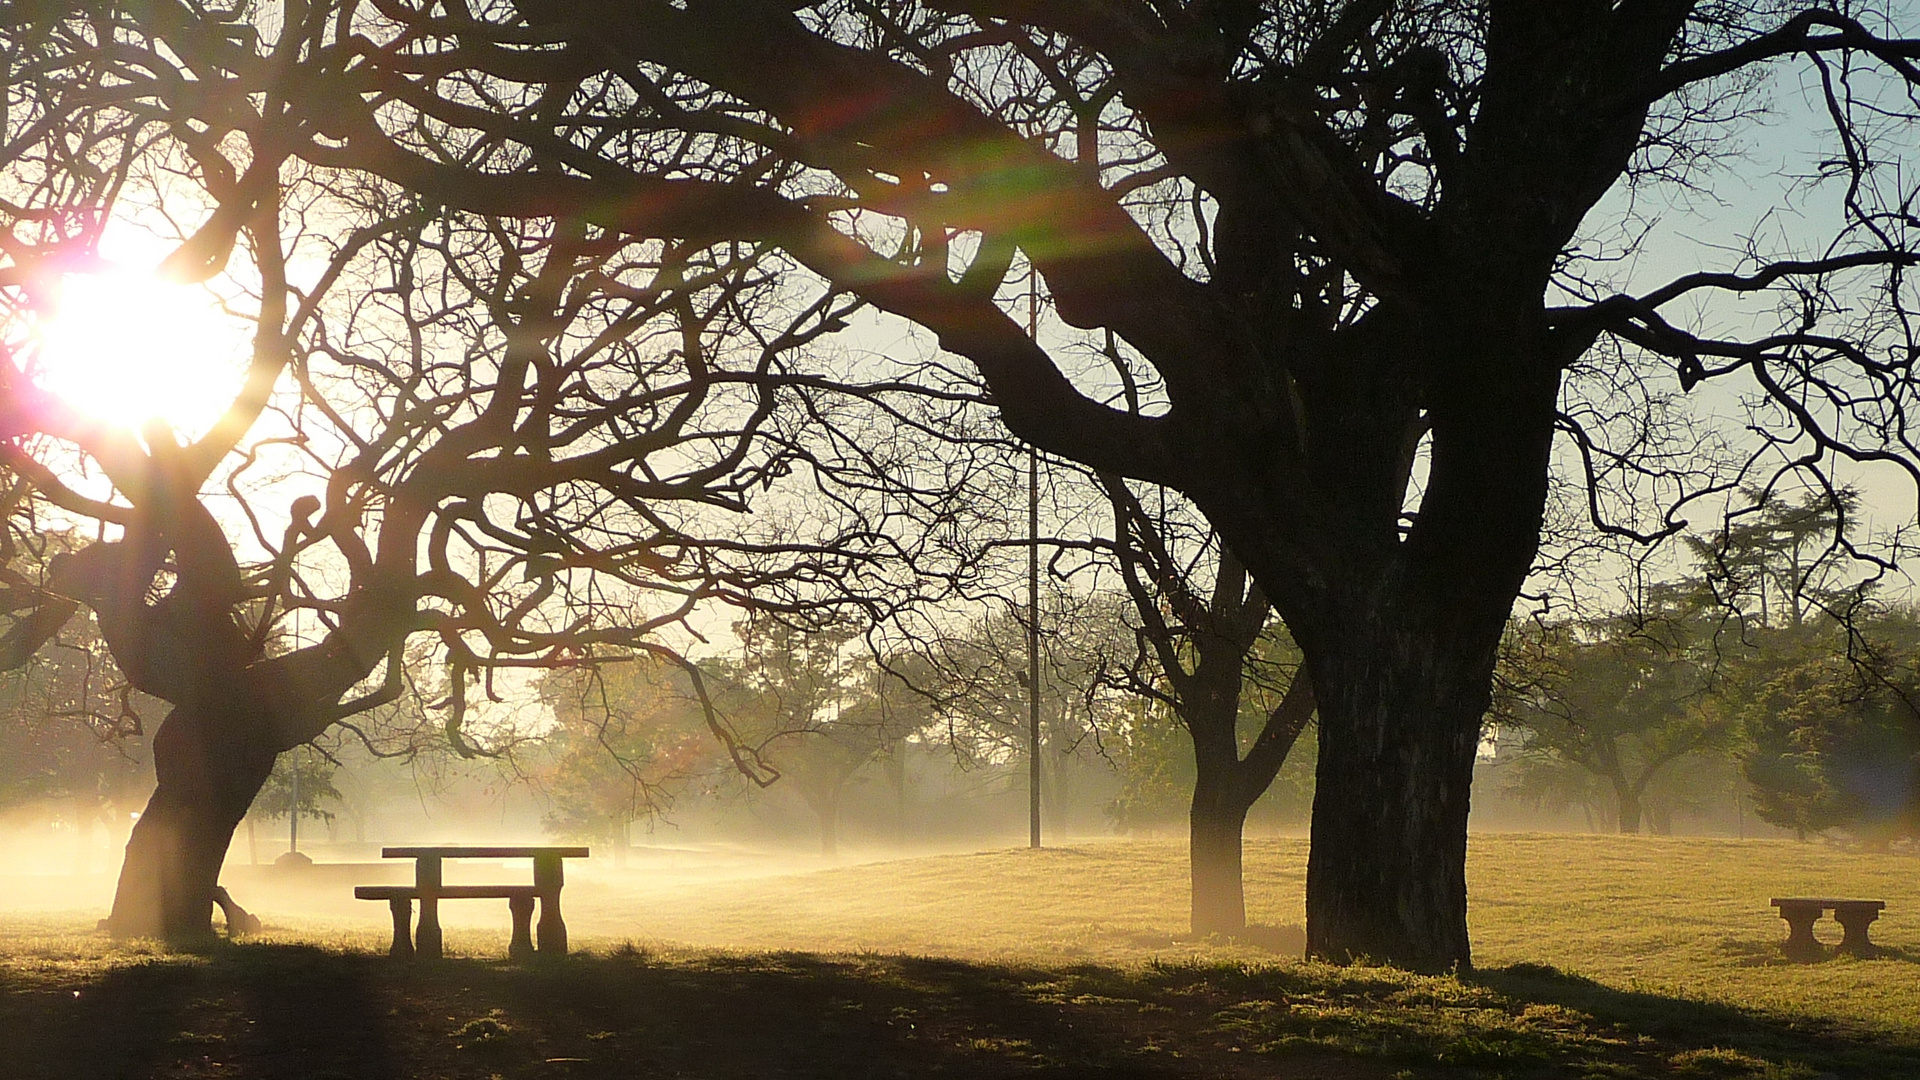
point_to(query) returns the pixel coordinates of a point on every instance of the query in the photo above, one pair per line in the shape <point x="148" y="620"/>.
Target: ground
<point x="1599" y="957"/>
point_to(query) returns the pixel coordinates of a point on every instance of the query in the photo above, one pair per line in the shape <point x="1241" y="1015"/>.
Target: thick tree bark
<point x="234" y="711"/>
<point x="1386" y="877"/>
<point x="1402" y="641"/>
<point x="209" y="767"/>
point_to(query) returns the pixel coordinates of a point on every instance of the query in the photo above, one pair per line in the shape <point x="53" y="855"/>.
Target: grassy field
<point x="1598" y="957"/>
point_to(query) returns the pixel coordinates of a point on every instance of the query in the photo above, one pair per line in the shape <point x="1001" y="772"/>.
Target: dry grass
<point x="1107" y="902"/>
<point x="1690" y="917"/>
<point x="1687" y="917"/>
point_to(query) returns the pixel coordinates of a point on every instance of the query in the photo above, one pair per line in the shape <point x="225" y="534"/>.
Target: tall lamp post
<point x="1033" y="594"/>
<point x="293" y="809"/>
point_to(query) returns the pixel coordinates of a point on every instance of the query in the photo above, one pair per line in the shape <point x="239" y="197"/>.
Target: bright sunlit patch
<point x="127" y="347"/>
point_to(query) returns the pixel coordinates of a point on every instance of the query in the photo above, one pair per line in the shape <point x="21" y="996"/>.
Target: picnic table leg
<point x="402" y="908"/>
<point x="426" y="878"/>
<point x="1801" y="944"/>
<point x="1854" y="921"/>
<point x="522" y="944"/>
<point x="547" y="880"/>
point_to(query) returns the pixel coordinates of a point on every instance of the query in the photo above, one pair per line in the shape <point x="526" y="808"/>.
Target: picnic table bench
<point x="429" y="888"/>
<point x="1854" y="916"/>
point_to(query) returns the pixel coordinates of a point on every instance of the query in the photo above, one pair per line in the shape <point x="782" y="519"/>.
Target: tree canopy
<point x="530" y="442"/>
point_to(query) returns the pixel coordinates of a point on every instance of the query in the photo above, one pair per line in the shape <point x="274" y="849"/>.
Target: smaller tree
<point x="1619" y="698"/>
<point x="1210" y="652"/>
<point x="627" y="736"/>
<point x="821" y="712"/>
<point x="1833" y="742"/>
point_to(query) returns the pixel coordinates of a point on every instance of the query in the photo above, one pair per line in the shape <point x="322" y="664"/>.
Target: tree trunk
<point x="828" y="811"/>
<point x="1218" y="818"/>
<point x="208" y="768"/>
<point x="1386" y="876"/>
<point x="1629" y="814"/>
<point x="1226" y="785"/>
<point x="894" y="764"/>
<point x="1660" y="819"/>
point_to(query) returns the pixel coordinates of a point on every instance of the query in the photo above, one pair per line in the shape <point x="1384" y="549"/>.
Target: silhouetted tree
<point x="1201" y="655"/>
<point x="518" y="439"/>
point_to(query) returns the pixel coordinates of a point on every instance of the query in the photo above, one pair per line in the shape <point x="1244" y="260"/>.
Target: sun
<point x="127" y="347"/>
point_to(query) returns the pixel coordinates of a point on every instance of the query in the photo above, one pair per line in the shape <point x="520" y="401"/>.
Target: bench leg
<point x="553" y="932"/>
<point x="426" y="941"/>
<point x="402" y="909"/>
<point x="548" y="877"/>
<point x="522" y="945"/>
<point x="1801" y="944"/>
<point x="1855" y="923"/>
<point x="426" y="882"/>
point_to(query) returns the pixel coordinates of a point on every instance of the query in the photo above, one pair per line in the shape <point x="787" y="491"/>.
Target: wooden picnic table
<point x="429" y="888"/>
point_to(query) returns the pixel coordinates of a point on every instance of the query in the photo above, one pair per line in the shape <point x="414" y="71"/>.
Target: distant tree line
<point x="1768" y="664"/>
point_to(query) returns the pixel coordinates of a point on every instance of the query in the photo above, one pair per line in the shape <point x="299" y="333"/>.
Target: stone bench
<point x="400" y="899"/>
<point x="1854" y="916"/>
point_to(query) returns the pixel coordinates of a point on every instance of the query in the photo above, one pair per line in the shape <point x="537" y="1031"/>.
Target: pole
<point x="293" y="810"/>
<point x="1033" y="594"/>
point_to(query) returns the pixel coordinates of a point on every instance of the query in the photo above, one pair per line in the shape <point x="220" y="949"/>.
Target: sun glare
<point x="128" y="347"/>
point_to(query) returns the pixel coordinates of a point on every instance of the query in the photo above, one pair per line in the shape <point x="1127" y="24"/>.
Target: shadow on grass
<point x="1750" y="953"/>
<point x="291" y="1011"/>
<point x="1525" y="1021"/>
<point x="121" y="1026"/>
<point x="1683" y="1027"/>
<point x="276" y="1011"/>
<point x="789" y="1014"/>
<point x="314" y="1012"/>
<point x="287" y="1011"/>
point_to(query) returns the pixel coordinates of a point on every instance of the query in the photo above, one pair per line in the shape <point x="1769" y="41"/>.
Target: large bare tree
<point x="529" y="442"/>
